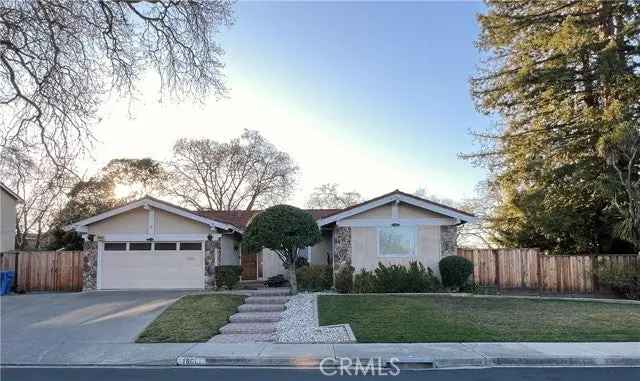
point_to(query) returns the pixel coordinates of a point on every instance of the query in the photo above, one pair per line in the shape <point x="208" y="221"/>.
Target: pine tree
<point x="563" y="79"/>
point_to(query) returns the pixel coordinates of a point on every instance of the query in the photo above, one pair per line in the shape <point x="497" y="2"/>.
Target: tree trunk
<point x="292" y="277"/>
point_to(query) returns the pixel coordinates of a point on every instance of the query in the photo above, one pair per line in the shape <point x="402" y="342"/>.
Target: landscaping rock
<point x="299" y="324"/>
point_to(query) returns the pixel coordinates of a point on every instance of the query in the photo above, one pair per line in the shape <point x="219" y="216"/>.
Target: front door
<point x="249" y="265"/>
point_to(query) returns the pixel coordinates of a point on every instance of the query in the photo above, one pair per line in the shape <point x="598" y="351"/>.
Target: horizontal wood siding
<point x="531" y="269"/>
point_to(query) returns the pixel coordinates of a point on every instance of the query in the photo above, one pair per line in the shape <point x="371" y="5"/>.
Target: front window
<point x="397" y="241"/>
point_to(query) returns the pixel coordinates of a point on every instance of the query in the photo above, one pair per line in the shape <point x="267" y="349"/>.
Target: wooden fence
<point x="45" y="270"/>
<point x="531" y="269"/>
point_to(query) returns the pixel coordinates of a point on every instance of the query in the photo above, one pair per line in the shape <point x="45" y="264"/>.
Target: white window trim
<point x="415" y="243"/>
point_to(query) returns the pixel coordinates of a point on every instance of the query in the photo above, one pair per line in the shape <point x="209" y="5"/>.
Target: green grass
<point x="406" y="319"/>
<point x="194" y="318"/>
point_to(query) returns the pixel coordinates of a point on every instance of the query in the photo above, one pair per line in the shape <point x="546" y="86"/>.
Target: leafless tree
<point x="479" y="233"/>
<point x="59" y="59"/>
<point x="245" y="173"/>
<point x="43" y="188"/>
<point x="472" y="234"/>
<point x="327" y="196"/>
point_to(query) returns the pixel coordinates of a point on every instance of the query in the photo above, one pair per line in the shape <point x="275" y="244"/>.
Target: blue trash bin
<point x="6" y="281"/>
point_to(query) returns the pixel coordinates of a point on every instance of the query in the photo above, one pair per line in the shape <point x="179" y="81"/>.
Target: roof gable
<point x="394" y="196"/>
<point x="154" y="203"/>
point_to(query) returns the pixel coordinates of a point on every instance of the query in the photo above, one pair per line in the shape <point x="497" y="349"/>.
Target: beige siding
<point x="271" y="264"/>
<point x="404" y="211"/>
<point x="383" y="211"/>
<point x="7" y="222"/>
<point x="229" y="255"/>
<point x="136" y="222"/>
<point x="320" y="250"/>
<point x="168" y="223"/>
<point x="132" y="222"/>
<point x="410" y="211"/>
<point x="364" y="246"/>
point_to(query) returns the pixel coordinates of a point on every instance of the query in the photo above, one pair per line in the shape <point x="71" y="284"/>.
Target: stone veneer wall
<point x="211" y="252"/>
<point x="448" y="240"/>
<point x="90" y="266"/>
<point x="341" y="247"/>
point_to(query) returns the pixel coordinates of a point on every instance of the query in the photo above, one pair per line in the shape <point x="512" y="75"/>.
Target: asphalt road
<point x="262" y="374"/>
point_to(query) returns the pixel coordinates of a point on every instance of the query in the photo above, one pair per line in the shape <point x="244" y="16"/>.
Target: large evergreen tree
<point x="564" y="80"/>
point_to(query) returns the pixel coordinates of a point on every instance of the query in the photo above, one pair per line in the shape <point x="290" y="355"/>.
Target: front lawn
<point x="406" y="319"/>
<point x="194" y="318"/>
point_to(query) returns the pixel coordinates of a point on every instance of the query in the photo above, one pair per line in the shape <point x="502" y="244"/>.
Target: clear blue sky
<point x="378" y="93"/>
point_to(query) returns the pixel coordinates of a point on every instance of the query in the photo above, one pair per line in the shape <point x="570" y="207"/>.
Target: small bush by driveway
<point x="390" y="318"/>
<point x="194" y="318"/>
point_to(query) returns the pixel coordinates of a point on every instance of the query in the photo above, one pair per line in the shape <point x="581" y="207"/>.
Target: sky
<point x="372" y="96"/>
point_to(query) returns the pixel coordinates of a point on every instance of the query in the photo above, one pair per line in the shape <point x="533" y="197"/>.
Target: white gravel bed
<point x="299" y="324"/>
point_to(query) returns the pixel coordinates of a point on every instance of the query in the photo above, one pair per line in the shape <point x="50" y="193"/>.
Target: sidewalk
<point x="438" y="355"/>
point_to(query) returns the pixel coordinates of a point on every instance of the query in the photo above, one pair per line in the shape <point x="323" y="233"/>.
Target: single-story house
<point x="150" y="243"/>
<point x="8" y="201"/>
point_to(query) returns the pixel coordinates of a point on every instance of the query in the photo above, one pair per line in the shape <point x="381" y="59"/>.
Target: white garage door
<point x="146" y="265"/>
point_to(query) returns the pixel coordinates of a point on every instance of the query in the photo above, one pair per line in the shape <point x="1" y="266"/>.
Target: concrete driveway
<point x="37" y="327"/>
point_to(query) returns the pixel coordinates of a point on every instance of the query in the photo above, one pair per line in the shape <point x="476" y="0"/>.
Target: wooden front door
<point x="249" y="266"/>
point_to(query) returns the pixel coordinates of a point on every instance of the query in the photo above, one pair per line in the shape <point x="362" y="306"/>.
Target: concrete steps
<point x="271" y="292"/>
<point x="266" y="300"/>
<point x="257" y="319"/>
<point x="253" y="327"/>
<point x="261" y="308"/>
<point x="243" y="338"/>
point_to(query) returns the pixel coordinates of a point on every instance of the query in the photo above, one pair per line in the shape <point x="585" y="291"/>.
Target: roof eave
<point x="81" y="226"/>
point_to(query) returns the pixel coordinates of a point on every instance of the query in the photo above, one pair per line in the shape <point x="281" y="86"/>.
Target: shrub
<point x="344" y="280"/>
<point x="364" y="282"/>
<point x="623" y="281"/>
<point x="300" y="262"/>
<point x="227" y="276"/>
<point x="400" y="279"/>
<point x="391" y="278"/>
<point x="314" y="278"/>
<point x="455" y="271"/>
<point x="420" y="279"/>
<point x="276" y="281"/>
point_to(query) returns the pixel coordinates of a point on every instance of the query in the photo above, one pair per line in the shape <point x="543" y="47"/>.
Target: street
<point x="261" y="374"/>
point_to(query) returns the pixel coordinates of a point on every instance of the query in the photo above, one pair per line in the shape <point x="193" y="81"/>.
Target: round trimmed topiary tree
<point x="285" y="230"/>
<point x="455" y="271"/>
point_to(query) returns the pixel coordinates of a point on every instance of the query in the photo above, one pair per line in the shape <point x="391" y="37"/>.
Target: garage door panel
<point x="151" y="269"/>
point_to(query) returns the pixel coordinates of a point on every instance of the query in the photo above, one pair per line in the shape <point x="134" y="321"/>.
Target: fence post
<point x="540" y="283"/>
<point x="595" y="284"/>
<point x="15" y="269"/>
<point x="497" y="268"/>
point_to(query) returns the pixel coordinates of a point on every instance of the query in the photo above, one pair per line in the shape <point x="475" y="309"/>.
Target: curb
<point x="443" y="363"/>
<point x="294" y="362"/>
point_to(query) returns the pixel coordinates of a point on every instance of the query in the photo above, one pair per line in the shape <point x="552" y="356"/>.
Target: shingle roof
<point x="241" y="218"/>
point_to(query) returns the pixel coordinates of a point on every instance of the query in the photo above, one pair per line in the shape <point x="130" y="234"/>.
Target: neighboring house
<point x="150" y="243"/>
<point x="8" y="202"/>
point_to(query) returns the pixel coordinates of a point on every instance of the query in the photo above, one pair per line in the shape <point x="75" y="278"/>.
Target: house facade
<point x="151" y="244"/>
<point x="8" y="203"/>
